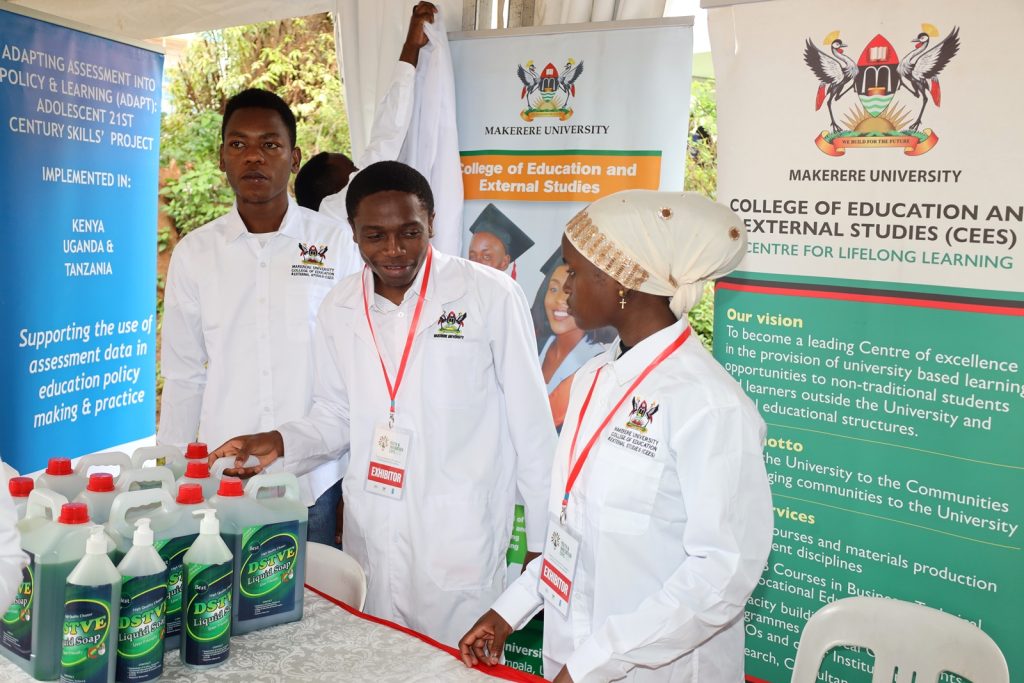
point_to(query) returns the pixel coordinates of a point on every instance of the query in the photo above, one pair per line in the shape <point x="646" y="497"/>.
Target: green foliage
<point x="702" y="152"/>
<point x="702" y="316"/>
<point x="294" y="58"/>
<point x="702" y="176"/>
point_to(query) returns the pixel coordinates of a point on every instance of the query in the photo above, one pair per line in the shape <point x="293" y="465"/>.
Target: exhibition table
<point x="333" y="642"/>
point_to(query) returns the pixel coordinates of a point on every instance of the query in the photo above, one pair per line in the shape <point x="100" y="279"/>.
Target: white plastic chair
<point x="905" y="637"/>
<point x="335" y="573"/>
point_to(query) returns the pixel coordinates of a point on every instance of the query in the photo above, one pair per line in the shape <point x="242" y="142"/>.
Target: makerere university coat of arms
<point x="877" y="77"/>
<point x="549" y="93"/>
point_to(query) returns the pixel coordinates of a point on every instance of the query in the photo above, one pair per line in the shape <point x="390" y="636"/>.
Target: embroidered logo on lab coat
<point x="450" y="324"/>
<point x="311" y="263"/>
<point x="641" y="415"/>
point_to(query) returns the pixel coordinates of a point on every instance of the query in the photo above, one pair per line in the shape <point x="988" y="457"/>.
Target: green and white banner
<point x="878" y="319"/>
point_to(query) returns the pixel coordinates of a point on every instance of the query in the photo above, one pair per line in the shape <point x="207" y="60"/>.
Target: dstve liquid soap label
<point x="172" y="552"/>
<point x="88" y="638"/>
<point x="207" y="614"/>
<point x="266" y="583"/>
<point x="140" y="640"/>
<point x="16" y="623"/>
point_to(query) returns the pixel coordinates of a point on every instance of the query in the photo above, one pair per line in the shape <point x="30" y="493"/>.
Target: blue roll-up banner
<point x="79" y="139"/>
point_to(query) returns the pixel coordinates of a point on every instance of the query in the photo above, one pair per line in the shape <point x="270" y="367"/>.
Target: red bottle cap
<point x="190" y="494"/>
<point x="196" y="451"/>
<point x="74" y="513"/>
<point x="101" y="482"/>
<point x="58" y="466"/>
<point x="229" y="486"/>
<point x="20" y="487"/>
<point x="197" y="469"/>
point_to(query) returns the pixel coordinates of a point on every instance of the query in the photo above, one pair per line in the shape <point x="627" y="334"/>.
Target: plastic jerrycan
<point x="92" y="601"/>
<point x="54" y="548"/>
<point x="198" y="472"/>
<point x="206" y="613"/>
<point x="60" y="477"/>
<point x="159" y="477"/>
<point x="174" y="530"/>
<point x="42" y="508"/>
<point x="106" y="459"/>
<point x="163" y="456"/>
<point x="20" y="488"/>
<point x="98" y="495"/>
<point x="271" y="549"/>
<point x="140" y="643"/>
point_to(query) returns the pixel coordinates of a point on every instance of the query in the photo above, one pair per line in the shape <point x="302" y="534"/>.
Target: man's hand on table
<point x="265" y="447"/>
<point x="485" y="642"/>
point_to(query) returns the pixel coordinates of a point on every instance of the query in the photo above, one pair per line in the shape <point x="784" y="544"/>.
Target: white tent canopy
<point x="370" y="32"/>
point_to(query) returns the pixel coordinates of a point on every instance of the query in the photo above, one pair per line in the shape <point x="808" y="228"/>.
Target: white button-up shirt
<point x="474" y="398"/>
<point x="674" y="514"/>
<point x="239" y="312"/>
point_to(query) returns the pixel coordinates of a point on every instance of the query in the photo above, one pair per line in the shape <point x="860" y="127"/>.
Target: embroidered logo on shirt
<point x="312" y="262"/>
<point x="641" y="415"/>
<point x="449" y="325"/>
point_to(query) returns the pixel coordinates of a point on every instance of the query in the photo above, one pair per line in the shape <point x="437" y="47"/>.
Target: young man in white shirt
<point x="244" y="289"/>
<point x="427" y="372"/>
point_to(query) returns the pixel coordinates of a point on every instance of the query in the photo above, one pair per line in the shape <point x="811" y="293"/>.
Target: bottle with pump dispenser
<point x="206" y="607"/>
<point x="54" y="547"/>
<point x="20" y="488"/>
<point x="174" y="530"/>
<point x="92" y="601"/>
<point x="98" y="495"/>
<point x="61" y="478"/>
<point x="198" y="472"/>
<point x="140" y="644"/>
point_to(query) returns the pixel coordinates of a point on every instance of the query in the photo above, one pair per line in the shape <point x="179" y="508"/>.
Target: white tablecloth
<point x="329" y="644"/>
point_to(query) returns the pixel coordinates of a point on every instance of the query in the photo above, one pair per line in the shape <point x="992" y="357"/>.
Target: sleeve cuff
<point x="590" y="663"/>
<point x="519" y="602"/>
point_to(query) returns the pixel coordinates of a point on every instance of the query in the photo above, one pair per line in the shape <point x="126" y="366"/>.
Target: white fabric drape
<point x="579" y="11"/>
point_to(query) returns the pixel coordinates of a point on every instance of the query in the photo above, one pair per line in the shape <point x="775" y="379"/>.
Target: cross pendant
<point x="622" y="303"/>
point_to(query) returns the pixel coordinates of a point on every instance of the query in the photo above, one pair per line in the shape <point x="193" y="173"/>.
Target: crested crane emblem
<point x="550" y="92"/>
<point x="451" y="323"/>
<point x="312" y="254"/>
<point x="878" y="119"/>
<point x="642" y="415"/>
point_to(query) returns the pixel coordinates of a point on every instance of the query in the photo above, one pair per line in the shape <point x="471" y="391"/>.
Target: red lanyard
<point x="574" y="471"/>
<point x="393" y="389"/>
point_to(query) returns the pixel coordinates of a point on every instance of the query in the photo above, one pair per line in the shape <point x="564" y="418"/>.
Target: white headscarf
<point x="662" y="243"/>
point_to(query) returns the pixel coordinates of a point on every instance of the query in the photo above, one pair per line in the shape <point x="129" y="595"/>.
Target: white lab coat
<point x="476" y="403"/>
<point x="673" y="539"/>
<point x="237" y="352"/>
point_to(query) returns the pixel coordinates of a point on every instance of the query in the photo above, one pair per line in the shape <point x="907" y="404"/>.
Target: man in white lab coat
<point x="243" y="290"/>
<point x="426" y="370"/>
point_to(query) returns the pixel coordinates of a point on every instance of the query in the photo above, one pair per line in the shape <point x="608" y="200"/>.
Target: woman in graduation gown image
<point x="660" y="510"/>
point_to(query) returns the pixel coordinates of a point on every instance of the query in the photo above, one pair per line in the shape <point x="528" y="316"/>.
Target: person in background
<point x="565" y="347"/>
<point x="427" y="375"/>
<point x="324" y="174"/>
<point x="661" y="517"/>
<point x="497" y="241"/>
<point x="12" y="559"/>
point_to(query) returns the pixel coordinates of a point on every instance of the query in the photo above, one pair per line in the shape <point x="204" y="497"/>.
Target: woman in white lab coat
<point x="660" y="508"/>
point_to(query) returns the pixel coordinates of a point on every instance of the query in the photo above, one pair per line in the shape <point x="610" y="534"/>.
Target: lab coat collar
<point x="291" y="224"/>
<point x="630" y="365"/>
<point x="446" y="285"/>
